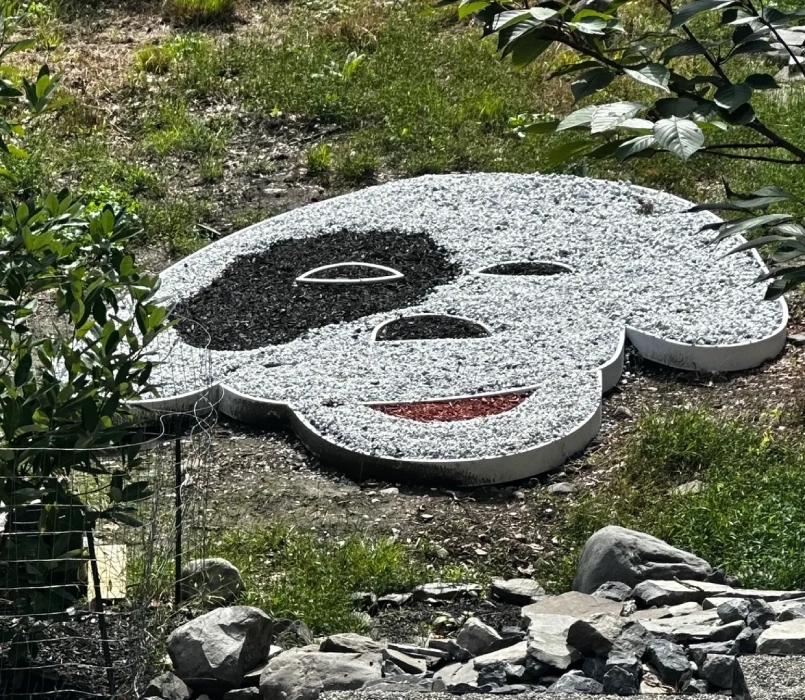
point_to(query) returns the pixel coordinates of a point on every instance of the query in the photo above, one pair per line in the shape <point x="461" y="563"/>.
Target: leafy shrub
<point x="748" y="518"/>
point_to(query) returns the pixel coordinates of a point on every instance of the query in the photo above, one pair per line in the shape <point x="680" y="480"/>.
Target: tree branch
<point x="743" y="145"/>
<point x="743" y="156"/>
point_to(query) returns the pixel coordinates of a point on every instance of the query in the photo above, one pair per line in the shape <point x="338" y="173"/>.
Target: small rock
<point x="746" y="641"/>
<point x="783" y="639"/>
<point x="516" y="690"/>
<point x="718" y="670"/>
<point x="594" y="667"/>
<point x="622" y="674"/>
<point x="446" y="591"/>
<point x="613" y="590"/>
<point x="393" y="600"/>
<point x="168" y="687"/>
<point x="670" y="661"/>
<point x="760" y="614"/>
<point x="214" y="580"/>
<point x="794" y="613"/>
<point x="452" y="648"/>
<point x="390" y="491"/>
<point x="242" y="694"/>
<point x="349" y="643"/>
<point x="492" y="675"/>
<point x="477" y="637"/>
<point x="684" y="609"/>
<point x="733" y="611"/>
<point x="517" y="654"/>
<point x="441" y="552"/>
<point x="622" y="412"/>
<point x="796" y="339"/>
<point x="634" y="639"/>
<point x="409" y="664"/>
<point x="596" y="635"/>
<point x="659" y="593"/>
<point x="689" y="488"/>
<point x="699" y="652"/>
<point x="517" y="591"/>
<point x="561" y="489"/>
<point x="575" y="683"/>
<point x="695" y="686"/>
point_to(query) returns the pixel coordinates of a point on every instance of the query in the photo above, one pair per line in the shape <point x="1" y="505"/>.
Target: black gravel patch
<point x="255" y="302"/>
<point x="430" y="328"/>
<point x="526" y="268"/>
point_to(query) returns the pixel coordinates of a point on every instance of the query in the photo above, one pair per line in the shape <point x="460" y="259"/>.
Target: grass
<point x="197" y="11"/>
<point x="749" y="517"/>
<point x="298" y="575"/>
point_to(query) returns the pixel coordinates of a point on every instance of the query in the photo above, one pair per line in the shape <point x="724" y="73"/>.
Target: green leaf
<point x="527" y="51"/>
<point x="127" y="266"/>
<point x="581" y="117"/>
<point x="468" y="7"/>
<point x="689" y="11"/>
<point x="511" y="17"/>
<point x="566" y="151"/>
<point x="758" y="46"/>
<point x="676" y="107"/>
<point x="750" y="223"/>
<point x="730" y="97"/>
<point x="761" y="81"/>
<point x="679" y="136"/>
<point x="653" y="74"/>
<point x="591" y="82"/>
<point x="23" y="371"/>
<point x="742" y="116"/>
<point x="136" y="491"/>
<point x="634" y="146"/>
<point x="683" y="48"/>
<point x="541" y="127"/>
<point x="608" y="117"/>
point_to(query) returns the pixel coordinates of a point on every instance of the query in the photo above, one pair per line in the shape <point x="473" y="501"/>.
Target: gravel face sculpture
<point x="344" y="314"/>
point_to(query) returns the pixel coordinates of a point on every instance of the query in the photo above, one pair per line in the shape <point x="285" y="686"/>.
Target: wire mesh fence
<point x="91" y="559"/>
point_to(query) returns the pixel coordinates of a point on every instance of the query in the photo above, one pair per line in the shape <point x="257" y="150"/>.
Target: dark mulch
<point x="460" y="409"/>
<point x="430" y="328"/>
<point x="526" y="268"/>
<point x="255" y="302"/>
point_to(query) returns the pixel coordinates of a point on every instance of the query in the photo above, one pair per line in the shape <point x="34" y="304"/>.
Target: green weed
<point x="749" y="517"/>
<point x="173" y="129"/>
<point x="196" y="11"/>
<point x="174" y="223"/>
<point x="152" y="59"/>
<point x="356" y="166"/>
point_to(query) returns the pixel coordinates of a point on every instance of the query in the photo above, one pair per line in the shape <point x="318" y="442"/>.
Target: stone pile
<point x="644" y="618"/>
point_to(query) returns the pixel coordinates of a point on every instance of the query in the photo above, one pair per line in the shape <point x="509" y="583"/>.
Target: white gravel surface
<point x="369" y="695"/>
<point x="651" y="271"/>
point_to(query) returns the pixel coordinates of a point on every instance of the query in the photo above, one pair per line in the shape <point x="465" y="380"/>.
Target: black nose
<point x="430" y="327"/>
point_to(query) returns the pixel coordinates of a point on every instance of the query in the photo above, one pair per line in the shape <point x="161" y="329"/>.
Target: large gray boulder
<point x="783" y="639"/>
<point x="617" y="554"/>
<point x="212" y="653"/>
<point x="304" y="675"/>
<point x="213" y="579"/>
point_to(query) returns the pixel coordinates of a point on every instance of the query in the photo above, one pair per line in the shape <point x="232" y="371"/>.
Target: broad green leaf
<point x="683" y="48"/>
<point x="591" y="82"/>
<point x="541" y="127"/>
<point x="609" y="116"/>
<point x="676" y="107"/>
<point x="741" y="116"/>
<point x="758" y="46"/>
<point x="653" y="74"/>
<point x="689" y="11"/>
<point x="761" y="81"/>
<point x="730" y="97"/>
<point x="581" y="117"/>
<point x="468" y="7"/>
<point x="636" y="123"/>
<point x="565" y="151"/>
<point x="741" y="226"/>
<point x="590" y="25"/>
<point x="679" y="136"/>
<point x="510" y="17"/>
<point x="634" y="146"/>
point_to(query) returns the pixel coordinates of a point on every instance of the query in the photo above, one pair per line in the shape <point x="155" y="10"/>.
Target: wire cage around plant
<point x="92" y="546"/>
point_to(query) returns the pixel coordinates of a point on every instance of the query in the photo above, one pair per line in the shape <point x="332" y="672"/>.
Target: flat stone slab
<point x="574" y="604"/>
<point x="759" y="677"/>
<point x="783" y="638"/>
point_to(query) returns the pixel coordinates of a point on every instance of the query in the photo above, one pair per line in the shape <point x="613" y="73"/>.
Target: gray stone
<point x="760" y="614"/>
<point x="457" y="675"/>
<point x="393" y="600"/>
<point x="303" y="675"/>
<point x="733" y="610"/>
<point x="622" y="674"/>
<point x="291" y="633"/>
<point x="213" y="579"/>
<point x="517" y="689"/>
<point x="349" y="643"/>
<point x="635" y="639"/>
<point x="561" y="489"/>
<point x="450" y="647"/>
<point x="548" y="641"/>
<point x="517" y="654"/>
<point x="617" y="554"/>
<point x="477" y="637"/>
<point x="698" y="652"/>
<point x="446" y="591"/>
<point x="659" y="593"/>
<point x="683" y="609"/>
<point x="401" y="684"/>
<point x="695" y="686"/>
<point x="492" y="675"/>
<point x="670" y="661"/>
<point x="769" y="596"/>
<point x="746" y="641"/>
<point x="168" y="687"/>
<point x="793" y="613"/>
<point x="613" y="590"/>
<point x="718" y="669"/>
<point x="517" y="591"/>
<point x="242" y="694"/>
<point x="575" y="683"/>
<point x="365" y="601"/>
<point x="689" y="488"/>
<point x="594" y="667"/>
<point x="574" y="604"/>
<point x="408" y="664"/>
<point x="694" y="628"/>
<point x="769" y="678"/>
<point x="213" y="652"/>
<point x="596" y="635"/>
<point x="783" y="639"/>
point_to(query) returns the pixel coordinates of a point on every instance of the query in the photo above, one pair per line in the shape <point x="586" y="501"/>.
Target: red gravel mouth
<point x="455" y="409"/>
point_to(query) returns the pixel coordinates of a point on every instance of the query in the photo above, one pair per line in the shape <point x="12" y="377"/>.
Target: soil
<point x="533" y="268"/>
<point x="430" y="328"/>
<point x="460" y="409"/>
<point x="255" y="302"/>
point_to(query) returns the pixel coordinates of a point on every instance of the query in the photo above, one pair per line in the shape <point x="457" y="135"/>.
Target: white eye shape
<point x="430" y="327"/>
<point x="350" y="273"/>
<point x="524" y="268"/>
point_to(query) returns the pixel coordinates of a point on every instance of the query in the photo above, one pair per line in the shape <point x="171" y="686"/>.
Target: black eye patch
<point x="255" y="301"/>
<point x="526" y="268"/>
